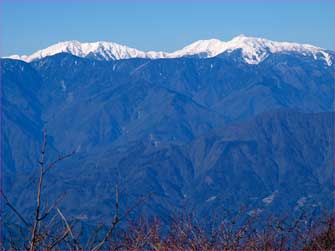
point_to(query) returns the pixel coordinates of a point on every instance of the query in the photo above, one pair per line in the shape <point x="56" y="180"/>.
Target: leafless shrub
<point x="187" y="232"/>
<point x="50" y="229"/>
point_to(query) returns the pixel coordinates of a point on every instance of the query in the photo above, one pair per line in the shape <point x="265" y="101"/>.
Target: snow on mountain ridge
<point x="107" y="50"/>
<point x="254" y="50"/>
<point x="210" y="48"/>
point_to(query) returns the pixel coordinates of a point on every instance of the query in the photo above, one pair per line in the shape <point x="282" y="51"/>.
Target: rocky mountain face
<point x="204" y="133"/>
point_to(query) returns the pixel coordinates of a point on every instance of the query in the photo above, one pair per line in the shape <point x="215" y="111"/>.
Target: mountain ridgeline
<point x="206" y="133"/>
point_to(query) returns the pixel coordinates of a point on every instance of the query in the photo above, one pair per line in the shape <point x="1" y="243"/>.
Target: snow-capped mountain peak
<point x="206" y="48"/>
<point x="254" y="50"/>
<point x="101" y="50"/>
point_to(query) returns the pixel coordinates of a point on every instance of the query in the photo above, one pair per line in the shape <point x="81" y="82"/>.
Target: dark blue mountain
<point x="204" y="133"/>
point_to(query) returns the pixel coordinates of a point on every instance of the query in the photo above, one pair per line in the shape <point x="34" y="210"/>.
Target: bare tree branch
<point x="48" y="211"/>
<point x="60" y="158"/>
<point x="118" y="219"/>
<point x="68" y="228"/>
<point x="14" y="210"/>
<point x="60" y="239"/>
<point x="33" y="243"/>
<point x="114" y="223"/>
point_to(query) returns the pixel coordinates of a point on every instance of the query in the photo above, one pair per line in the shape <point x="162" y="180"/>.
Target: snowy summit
<point x="254" y="50"/>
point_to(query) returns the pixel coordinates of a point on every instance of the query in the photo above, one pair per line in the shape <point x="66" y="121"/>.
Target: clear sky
<point x="27" y="26"/>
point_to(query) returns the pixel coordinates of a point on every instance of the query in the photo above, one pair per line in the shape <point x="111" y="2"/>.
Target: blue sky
<point x="27" y="26"/>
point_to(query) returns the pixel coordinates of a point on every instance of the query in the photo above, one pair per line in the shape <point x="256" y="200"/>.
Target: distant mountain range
<point x="254" y="50"/>
<point x="213" y="126"/>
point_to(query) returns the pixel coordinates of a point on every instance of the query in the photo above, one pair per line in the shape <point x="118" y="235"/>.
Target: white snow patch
<point x="78" y="148"/>
<point x="255" y="212"/>
<point x="301" y="201"/>
<point x="62" y="84"/>
<point x="211" y="199"/>
<point x="269" y="199"/>
<point x="81" y="217"/>
<point x="153" y="141"/>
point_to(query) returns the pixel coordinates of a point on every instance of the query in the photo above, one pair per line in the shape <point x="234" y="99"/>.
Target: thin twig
<point x="68" y="228"/>
<point x="60" y="158"/>
<point x="33" y="243"/>
<point x="114" y="223"/>
<point x="59" y="240"/>
<point x="48" y="211"/>
<point x="14" y="210"/>
<point x="118" y="219"/>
